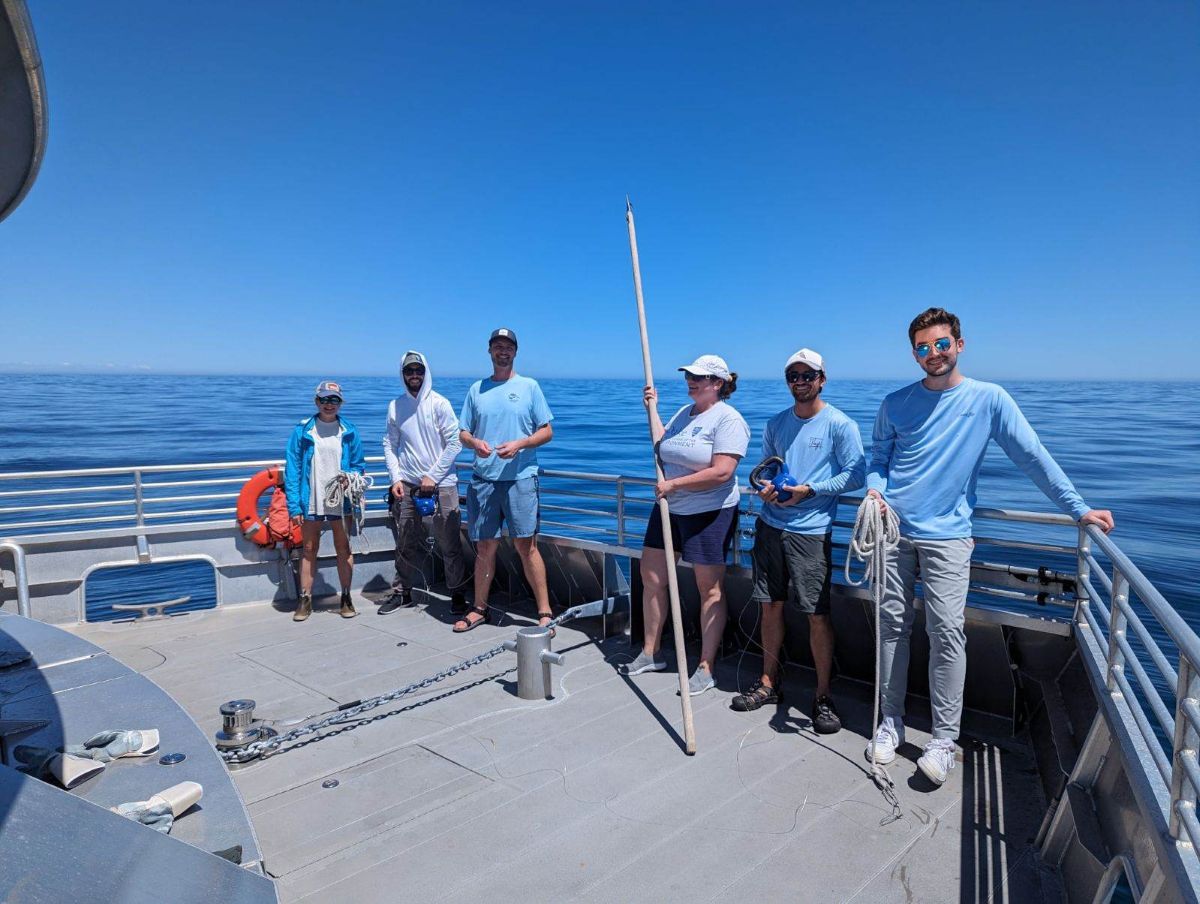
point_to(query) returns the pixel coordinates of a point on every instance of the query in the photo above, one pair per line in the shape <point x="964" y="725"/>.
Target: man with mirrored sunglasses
<point x="420" y="443"/>
<point x="823" y="452"/>
<point x="929" y="443"/>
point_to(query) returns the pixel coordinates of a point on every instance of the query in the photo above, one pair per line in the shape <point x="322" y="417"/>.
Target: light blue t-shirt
<point x="929" y="446"/>
<point x="688" y="445"/>
<point x="825" y="452"/>
<point x="499" y="412"/>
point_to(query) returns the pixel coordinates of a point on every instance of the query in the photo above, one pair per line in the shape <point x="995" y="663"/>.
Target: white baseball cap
<point x="708" y="366"/>
<point x="806" y="356"/>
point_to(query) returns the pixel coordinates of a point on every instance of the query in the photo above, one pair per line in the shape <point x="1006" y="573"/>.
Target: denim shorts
<point x="701" y="539"/>
<point x="493" y="503"/>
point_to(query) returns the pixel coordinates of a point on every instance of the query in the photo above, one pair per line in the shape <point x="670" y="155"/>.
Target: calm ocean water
<point x="1130" y="447"/>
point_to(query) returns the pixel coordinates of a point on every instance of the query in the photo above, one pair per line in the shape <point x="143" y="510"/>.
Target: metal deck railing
<point x="1148" y="655"/>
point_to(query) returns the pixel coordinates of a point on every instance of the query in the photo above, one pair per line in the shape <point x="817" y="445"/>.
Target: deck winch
<point x="239" y="728"/>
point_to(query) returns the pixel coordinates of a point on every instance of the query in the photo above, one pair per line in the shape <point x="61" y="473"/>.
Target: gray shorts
<point x="801" y="562"/>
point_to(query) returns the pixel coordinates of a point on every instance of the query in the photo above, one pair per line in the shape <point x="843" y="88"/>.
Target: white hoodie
<point x="422" y="434"/>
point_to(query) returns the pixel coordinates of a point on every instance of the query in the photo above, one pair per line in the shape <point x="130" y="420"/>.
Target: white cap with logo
<point x="708" y="366"/>
<point x="806" y="356"/>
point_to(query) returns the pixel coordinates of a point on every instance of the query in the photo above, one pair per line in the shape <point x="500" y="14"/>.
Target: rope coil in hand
<point x="352" y="486"/>
<point x="876" y="533"/>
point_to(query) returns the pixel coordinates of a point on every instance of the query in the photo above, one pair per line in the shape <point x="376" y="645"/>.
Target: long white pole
<point x="689" y="729"/>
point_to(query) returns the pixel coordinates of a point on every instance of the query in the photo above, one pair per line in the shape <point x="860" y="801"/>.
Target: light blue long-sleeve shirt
<point x="929" y="446"/>
<point x="825" y="452"/>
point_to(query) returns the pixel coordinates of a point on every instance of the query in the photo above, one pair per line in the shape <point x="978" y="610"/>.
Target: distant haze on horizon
<point x="215" y="199"/>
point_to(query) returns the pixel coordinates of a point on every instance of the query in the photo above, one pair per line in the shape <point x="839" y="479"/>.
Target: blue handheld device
<point x="425" y="505"/>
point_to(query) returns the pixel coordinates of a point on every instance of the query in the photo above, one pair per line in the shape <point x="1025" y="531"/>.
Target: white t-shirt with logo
<point x="326" y="463"/>
<point x="688" y="446"/>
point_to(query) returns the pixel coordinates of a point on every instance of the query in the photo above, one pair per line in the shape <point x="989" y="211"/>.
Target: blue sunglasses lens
<point x="942" y="345"/>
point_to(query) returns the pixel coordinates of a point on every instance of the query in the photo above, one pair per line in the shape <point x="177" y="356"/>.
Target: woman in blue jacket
<point x="320" y="449"/>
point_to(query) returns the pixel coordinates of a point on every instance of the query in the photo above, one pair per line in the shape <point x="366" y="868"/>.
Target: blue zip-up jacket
<point x="298" y="465"/>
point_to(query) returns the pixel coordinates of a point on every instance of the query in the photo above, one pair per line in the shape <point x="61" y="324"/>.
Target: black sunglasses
<point x="809" y="376"/>
<point x="328" y="400"/>
<point x="413" y="370"/>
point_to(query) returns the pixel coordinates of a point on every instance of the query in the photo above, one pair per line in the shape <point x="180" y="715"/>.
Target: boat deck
<point x="466" y="792"/>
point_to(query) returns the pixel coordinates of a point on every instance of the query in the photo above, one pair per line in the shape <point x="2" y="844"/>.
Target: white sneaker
<point x="889" y="736"/>
<point x="937" y="760"/>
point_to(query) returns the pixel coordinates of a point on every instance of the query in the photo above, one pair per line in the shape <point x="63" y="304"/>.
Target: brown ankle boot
<point x="348" y="610"/>
<point x="303" y="607"/>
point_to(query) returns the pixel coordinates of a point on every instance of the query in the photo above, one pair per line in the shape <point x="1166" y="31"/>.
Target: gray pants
<point x="412" y="552"/>
<point x="945" y="576"/>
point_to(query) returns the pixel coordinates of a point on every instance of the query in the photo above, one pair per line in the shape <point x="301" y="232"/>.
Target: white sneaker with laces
<point x="889" y="736"/>
<point x="937" y="760"/>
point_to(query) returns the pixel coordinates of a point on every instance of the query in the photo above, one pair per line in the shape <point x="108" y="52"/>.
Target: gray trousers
<point x="412" y="551"/>
<point x="945" y="576"/>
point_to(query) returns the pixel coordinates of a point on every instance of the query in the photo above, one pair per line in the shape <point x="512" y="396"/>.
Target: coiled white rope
<point x="876" y="533"/>
<point x="352" y="486"/>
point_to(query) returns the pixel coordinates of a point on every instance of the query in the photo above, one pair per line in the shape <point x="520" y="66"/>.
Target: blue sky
<point x="292" y="187"/>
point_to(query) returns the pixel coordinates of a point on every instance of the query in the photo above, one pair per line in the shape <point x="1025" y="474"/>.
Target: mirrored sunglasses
<point x="943" y="345"/>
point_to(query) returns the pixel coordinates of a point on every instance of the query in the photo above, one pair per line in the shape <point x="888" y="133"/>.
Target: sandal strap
<point x="478" y="611"/>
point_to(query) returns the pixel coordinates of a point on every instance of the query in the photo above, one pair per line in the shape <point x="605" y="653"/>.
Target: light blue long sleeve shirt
<point x="929" y="446"/>
<point x="825" y="452"/>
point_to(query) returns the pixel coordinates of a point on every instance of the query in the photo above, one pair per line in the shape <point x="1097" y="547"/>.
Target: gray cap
<point x="412" y="358"/>
<point x="330" y="388"/>
<point x="503" y="333"/>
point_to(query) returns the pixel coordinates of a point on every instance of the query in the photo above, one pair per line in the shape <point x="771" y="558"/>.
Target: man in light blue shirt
<point x="504" y="419"/>
<point x="823" y="452"/>
<point x="929" y="442"/>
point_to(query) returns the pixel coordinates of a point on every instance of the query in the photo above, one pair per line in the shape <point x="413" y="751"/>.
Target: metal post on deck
<point x="534" y="659"/>
<point x="1185" y="769"/>
<point x="1116" y="630"/>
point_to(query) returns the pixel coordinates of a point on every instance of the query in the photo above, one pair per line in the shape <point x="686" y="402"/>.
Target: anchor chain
<point x="264" y="749"/>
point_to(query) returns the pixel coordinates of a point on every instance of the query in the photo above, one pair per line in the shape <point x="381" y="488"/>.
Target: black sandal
<point x="466" y="620"/>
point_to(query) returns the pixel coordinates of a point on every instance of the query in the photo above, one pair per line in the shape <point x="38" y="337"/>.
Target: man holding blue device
<point x="504" y="419"/>
<point x="929" y="442"/>
<point x="822" y="451"/>
<point x="420" y="444"/>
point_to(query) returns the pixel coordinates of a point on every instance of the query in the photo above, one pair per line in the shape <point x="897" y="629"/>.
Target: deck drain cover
<point x="170" y="759"/>
<point x="330" y="783"/>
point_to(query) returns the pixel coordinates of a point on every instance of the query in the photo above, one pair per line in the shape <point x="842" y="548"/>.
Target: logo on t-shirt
<point x="967" y="414"/>
<point x="816" y="442"/>
<point x="513" y="397"/>
<point x="696" y="431"/>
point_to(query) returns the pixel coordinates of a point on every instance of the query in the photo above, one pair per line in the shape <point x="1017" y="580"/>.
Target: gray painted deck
<point x="466" y="792"/>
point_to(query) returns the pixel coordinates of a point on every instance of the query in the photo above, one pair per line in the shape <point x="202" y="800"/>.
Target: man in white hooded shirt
<point x="420" y="446"/>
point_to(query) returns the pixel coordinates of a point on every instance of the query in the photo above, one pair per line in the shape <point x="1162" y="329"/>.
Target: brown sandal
<point x="546" y="617"/>
<point x="466" y="620"/>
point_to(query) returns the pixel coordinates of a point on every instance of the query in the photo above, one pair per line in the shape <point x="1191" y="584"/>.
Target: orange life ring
<point x="251" y="524"/>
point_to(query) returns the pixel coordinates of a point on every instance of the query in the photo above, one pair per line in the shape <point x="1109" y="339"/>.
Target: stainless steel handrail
<point x="1114" y="613"/>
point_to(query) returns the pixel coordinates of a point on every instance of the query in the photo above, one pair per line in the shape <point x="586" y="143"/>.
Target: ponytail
<point x="728" y="387"/>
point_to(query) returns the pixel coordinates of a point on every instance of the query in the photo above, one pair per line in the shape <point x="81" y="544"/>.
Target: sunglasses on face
<point x="413" y="371"/>
<point x="328" y="400"/>
<point x="943" y="345"/>
<point x="694" y="378"/>
<point x="808" y="376"/>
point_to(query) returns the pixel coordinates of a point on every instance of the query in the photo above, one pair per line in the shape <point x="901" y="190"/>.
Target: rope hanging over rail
<point x="876" y="533"/>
